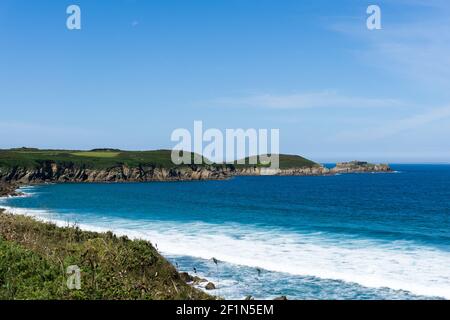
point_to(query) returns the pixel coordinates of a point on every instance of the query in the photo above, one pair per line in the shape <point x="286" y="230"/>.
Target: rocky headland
<point x="52" y="172"/>
<point x="26" y="166"/>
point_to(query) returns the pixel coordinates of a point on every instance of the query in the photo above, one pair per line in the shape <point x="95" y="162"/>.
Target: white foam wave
<point x="400" y="265"/>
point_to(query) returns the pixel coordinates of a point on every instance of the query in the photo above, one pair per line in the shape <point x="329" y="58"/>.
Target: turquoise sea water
<point x="357" y="236"/>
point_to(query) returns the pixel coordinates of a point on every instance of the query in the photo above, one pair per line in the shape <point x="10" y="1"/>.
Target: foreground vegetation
<point x="34" y="257"/>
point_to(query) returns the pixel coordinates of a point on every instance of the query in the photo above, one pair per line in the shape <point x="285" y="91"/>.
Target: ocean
<point x="351" y="236"/>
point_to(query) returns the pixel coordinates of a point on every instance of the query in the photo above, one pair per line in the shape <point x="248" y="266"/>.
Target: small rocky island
<point x="360" y="167"/>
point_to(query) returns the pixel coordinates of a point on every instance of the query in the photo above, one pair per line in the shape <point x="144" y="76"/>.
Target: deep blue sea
<point x="356" y="236"/>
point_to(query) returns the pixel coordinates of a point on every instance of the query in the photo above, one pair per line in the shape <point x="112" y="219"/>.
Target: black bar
<point x="227" y="309"/>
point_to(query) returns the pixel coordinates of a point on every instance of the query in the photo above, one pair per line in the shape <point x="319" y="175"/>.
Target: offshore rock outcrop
<point x="359" y="167"/>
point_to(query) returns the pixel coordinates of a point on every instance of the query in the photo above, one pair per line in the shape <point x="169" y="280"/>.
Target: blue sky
<point x="139" y="69"/>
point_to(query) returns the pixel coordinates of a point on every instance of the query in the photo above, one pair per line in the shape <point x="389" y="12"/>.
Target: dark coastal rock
<point x="248" y="298"/>
<point x="210" y="286"/>
<point x="186" y="277"/>
<point x="8" y="190"/>
<point x="49" y="171"/>
<point x="198" y="280"/>
<point x="281" y="298"/>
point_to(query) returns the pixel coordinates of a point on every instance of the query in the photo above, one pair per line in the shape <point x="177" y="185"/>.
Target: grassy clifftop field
<point x="107" y="158"/>
<point x="286" y="162"/>
<point x="94" y="159"/>
<point x="34" y="257"/>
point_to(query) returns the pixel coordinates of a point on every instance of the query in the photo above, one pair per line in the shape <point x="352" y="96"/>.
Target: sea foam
<point x="398" y="265"/>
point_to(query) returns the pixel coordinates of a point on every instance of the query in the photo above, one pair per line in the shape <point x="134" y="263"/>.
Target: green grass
<point x="34" y="257"/>
<point x="86" y="159"/>
<point x="108" y="158"/>
<point x="294" y="161"/>
<point x="26" y="275"/>
<point x="285" y="162"/>
<point x="97" y="154"/>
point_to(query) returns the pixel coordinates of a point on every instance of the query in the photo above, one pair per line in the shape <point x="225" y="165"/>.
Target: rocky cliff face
<point x="53" y="172"/>
<point x="318" y="170"/>
<point x="258" y="171"/>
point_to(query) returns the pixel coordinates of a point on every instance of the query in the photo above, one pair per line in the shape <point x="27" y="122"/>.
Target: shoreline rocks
<point x="210" y="286"/>
<point x="186" y="277"/>
<point x="196" y="281"/>
<point x="8" y="190"/>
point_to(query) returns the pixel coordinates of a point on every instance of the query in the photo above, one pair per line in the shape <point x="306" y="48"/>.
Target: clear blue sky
<point x="139" y="69"/>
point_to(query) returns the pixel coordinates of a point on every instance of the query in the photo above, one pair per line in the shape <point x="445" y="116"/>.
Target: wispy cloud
<point x="416" y="47"/>
<point x="324" y="99"/>
<point x="395" y="127"/>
